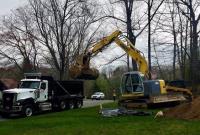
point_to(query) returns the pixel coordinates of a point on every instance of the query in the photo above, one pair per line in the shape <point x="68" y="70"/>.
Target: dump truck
<point x="137" y="90"/>
<point x="37" y="93"/>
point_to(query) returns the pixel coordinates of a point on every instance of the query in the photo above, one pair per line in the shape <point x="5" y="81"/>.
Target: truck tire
<point x="27" y="110"/>
<point x="70" y="105"/>
<point x="78" y="104"/>
<point x="62" y="105"/>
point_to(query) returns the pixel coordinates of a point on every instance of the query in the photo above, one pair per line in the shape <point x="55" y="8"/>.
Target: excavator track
<point x="160" y="101"/>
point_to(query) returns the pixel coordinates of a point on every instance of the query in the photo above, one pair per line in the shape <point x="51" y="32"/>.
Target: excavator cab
<point x="132" y="90"/>
<point x="132" y="83"/>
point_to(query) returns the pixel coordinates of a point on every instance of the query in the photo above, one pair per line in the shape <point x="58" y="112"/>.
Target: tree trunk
<point x="149" y="37"/>
<point x="195" y="61"/>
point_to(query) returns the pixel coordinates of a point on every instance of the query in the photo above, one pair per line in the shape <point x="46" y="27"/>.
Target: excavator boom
<point x="135" y="54"/>
<point x="81" y="68"/>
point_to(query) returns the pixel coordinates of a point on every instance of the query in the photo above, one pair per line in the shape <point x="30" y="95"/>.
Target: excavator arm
<point x="96" y="48"/>
<point x="135" y="54"/>
<point x="81" y="68"/>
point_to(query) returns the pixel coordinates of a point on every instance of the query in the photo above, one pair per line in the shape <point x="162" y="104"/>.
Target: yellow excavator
<point x="136" y="88"/>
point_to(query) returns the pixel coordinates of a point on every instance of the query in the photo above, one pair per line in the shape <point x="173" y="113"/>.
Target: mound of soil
<point x="188" y="111"/>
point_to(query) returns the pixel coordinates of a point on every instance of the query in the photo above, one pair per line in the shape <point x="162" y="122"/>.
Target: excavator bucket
<point x="78" y="73"/>
<point x="81" y="69"/>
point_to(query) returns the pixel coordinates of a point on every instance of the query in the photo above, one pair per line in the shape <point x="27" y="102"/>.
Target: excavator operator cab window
<point x="127" y="84"/>
<point x="131" y="83"/>
<point x="136" y="83"/>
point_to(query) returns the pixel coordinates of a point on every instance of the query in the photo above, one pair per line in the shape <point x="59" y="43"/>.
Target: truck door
<point x="43" y="92"/>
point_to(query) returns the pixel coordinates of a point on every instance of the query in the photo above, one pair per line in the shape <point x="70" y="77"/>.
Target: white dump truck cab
<point x="41" y="93"/>
<point x="38" y="87"/>
<point x="29" y="92"/>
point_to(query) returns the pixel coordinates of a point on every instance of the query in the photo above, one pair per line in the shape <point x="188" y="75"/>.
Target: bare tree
<point x="194" y="17"/>
<point x="63" y="27"/>
<point x="134" y="27"/>
<point x="182" y="52"/>
<point x="16" y="43"/>
<point x="174" y="30"/>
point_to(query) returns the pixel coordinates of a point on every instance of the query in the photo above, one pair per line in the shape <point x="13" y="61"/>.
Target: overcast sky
<point x="7" y="5"/>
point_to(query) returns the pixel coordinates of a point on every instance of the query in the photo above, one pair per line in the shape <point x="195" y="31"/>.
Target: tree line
<point x="51" y="33"/>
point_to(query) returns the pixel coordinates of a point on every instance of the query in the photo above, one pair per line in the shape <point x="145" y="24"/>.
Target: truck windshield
<point x="30" y="84"/>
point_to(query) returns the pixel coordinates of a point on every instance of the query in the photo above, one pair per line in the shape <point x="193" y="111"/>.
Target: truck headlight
<point x="15" y="98"/>
<point x="18" y="103"/>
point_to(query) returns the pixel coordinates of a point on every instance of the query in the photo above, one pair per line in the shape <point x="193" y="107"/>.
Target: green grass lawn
<point x="87" y="121"/>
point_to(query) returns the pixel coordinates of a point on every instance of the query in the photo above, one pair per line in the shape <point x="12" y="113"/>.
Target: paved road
<point x="90" y="103"/>
<point x="86" y="103"/>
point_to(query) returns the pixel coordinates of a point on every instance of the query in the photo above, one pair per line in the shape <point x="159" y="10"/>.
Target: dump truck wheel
<point x="71" y="105"/>
<point x="62" y="105"/>
<point x="78" y="104"/>
<point x="27" y="110"/>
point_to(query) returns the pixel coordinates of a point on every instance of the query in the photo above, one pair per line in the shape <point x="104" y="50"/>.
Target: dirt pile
<point x="188" y="111"/>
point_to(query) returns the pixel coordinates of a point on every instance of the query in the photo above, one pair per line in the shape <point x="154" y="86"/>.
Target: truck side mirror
<point x="43" y="86"/>
<point x="37" y="93"/>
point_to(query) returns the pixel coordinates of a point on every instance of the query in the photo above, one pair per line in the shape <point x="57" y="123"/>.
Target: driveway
<point x="91" y="103"/>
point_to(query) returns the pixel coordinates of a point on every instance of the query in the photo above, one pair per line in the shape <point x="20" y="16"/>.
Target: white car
<point x="98" y="95"/>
